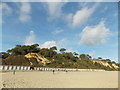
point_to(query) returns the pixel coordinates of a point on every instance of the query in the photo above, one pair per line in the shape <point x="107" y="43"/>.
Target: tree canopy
<point x="23" y="50"/>
<point x="62" y="50"/>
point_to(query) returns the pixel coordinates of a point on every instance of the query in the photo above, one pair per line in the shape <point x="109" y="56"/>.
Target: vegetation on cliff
<point x="57" y="58"/>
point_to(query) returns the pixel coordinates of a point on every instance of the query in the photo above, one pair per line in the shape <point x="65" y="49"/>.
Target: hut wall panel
<point x="1" y="67"/>
<point x="25" y="67"/>
<point x="18" y="68"/>
<point x="5" y="67"/>
<point x="10" y="67"/>
<point x="14" y="67"/>
<point x="28" y="68"/>
<point x="36" y="68"/>
<point x="21" y="67"/>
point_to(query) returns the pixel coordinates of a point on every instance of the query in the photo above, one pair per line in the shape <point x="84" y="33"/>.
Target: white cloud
<point x="69" y="18"/>
<point x="57" y="31"/>
<point x="5" y="8"/>
<point x="81" y="16"/>
<point x="48" y="44"/>
<point x="30" y="39"/>
<point x="54" y="9"/>
<point x="94" y="35"/>
<point x="25" y="10"/>
<point x="59" y="44"/>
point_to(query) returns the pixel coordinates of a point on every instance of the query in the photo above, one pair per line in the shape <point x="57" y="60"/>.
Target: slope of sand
<point x="37" y="79"/>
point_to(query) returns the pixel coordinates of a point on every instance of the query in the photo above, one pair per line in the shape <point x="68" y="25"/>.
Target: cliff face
<point x="106" y="64"/>
<point x="35" y="59"/>
<point x="40" y="59"/>
<point x="115" y="66"/>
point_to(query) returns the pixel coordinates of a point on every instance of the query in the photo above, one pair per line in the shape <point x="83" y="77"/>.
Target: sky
<point x="82" y="27"/>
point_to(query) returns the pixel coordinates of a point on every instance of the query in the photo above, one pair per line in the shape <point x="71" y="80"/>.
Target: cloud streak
<point x="25" y="10"/>
<point x="81" y="16"/>
<point x="5" y="11"/>
<point x="5" y="8"/>
<point x="54" y="9"/>
<point x="57" y="31"/>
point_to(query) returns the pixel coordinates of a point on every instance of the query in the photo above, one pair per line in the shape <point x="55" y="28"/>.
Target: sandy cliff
<point x="39" y="58"/>
<point x="105" y="64"/>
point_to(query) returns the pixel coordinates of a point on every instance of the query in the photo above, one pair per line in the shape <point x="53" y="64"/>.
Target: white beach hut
<point x="21" y="68"/>
<point x="5" y="67"/>
<point x="17" y="67"/>
<point x="1" y="67"/>
<point x="25" y="67"/>
<point x="14" y="67"/>
<point x="10" y="67"/>
<point x="28" y="68"/>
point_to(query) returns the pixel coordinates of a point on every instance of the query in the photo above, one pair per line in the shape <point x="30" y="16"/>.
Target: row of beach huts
<point x="27" y="68"/>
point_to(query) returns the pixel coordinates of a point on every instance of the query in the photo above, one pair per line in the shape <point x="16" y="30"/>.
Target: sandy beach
<point x="37" y="79"/>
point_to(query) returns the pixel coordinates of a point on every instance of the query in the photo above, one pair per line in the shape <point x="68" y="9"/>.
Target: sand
<point x="37" y="79"/>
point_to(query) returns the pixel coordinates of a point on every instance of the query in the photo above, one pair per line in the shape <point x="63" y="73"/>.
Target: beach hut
<point x="51" y="69"/>
<point x="32" y="68"/>
<point x="28" y="68"/>
<point x="21" y="68"/>
<point x="14" y="67"/>
<point x="10" y="68"/>
<point x="37" y="68"/>
<point x="43" y="69"/>
<point x="25" y="67"/>
<point x="47" y="69"/>
<point x="18" y="68"/>
<point x="40" y="69"/>
<point x="5" y="68"/>
<point x="1" y="67"/>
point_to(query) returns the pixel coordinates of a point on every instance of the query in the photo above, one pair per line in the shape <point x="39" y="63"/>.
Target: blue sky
<point x="89" y="28"/>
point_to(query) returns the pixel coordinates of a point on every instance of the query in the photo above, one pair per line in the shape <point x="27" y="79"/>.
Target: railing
<point x="25" y="68"/>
